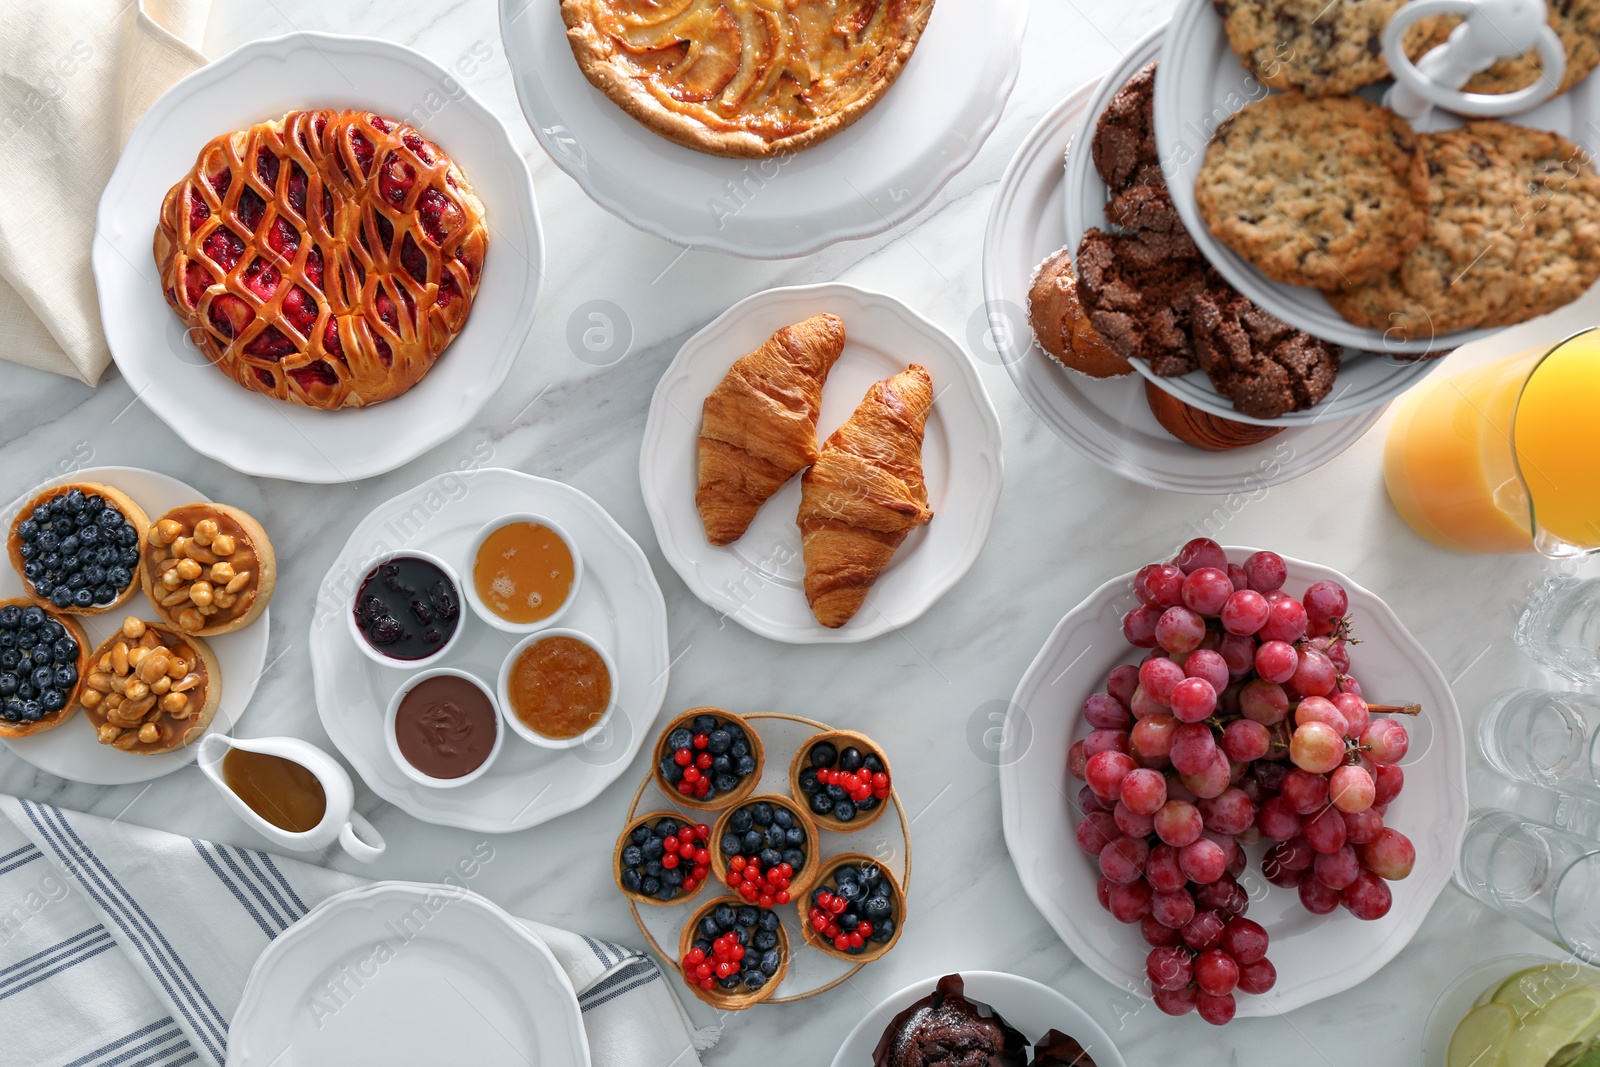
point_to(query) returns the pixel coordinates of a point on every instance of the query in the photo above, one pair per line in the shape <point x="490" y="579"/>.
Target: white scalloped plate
<point x="1316" y="956"/>
<point x="756" y="581"/>
<point x="1366" y="382"/>
<point x="253" y="433"/>
<point x="1109" y="421"/>
<point x="1205" y="83"/>
<point x="861" y="182"/>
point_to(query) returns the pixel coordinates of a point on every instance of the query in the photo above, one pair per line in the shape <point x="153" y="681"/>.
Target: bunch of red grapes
<point x="1242" y="723"/>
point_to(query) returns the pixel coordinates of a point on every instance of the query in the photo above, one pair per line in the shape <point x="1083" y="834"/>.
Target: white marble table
<point x="1063" y="526"/>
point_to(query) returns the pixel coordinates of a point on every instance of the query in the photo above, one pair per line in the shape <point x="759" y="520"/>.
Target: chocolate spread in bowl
<point x="445" y="727"/>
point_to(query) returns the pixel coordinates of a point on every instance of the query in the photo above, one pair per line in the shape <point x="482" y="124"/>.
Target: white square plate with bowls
<point x="407" y="975"/>
<point x="618" y="604"/>
<point x="1315" y="956"/>
<point x="862" y="181"/>
<point x="757" y="580"/>
<point x="246" y="430"/>
<point x="71" y="750"/>
<point x="1109" y="421"/>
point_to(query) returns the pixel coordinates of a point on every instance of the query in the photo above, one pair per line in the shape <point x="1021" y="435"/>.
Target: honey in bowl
<point x="281" y="791"/>
<point x="559" y="687"/>
<point x="523" y="572"/>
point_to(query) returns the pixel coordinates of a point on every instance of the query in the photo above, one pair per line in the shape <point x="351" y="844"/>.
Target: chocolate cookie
<point x="1317" y="47"/>
<point x="1327" y="193"/>
<point x="1124" y="144"/>
<point x="1062" y="326"/>
<point x="1466" y="268"/>
<point x="1261" y="363"/>
<point x="1576" y="22"/>
<point x="1138" y="296"/>
<point x="1561" y="257"/>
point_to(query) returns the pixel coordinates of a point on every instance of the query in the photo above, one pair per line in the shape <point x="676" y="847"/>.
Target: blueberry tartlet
<point x="662" y="858"/>
<point x="733" y="954"/>
<point x="208" y="568"/>
<point x="43" y="659"/>
<point x="708" y="759"/>
<point x="764" y="850"/>
<point x="843" y="780"/>
<point x="78" y="547"/>
<point x="856" y="911"/>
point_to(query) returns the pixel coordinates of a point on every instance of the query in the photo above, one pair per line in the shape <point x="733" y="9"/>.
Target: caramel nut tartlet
<point x="77" y="547"/>
<point x="209" y="569"/>
<point x="43" y="658"/>
<point x="151" y="689"/>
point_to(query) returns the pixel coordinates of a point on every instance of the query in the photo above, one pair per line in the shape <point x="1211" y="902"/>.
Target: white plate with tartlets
<point x="71" y="750"/>
<point x="757" y="580"/>
<point x="1109" y="420"/>
<point x="618" y="604"/>
<point x="1315" y="956"/>
<point x="244" y="429"/>
<point x="862" y="181"/>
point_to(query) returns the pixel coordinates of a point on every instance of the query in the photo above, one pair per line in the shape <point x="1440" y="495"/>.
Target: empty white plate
<point x="756" y="581"/>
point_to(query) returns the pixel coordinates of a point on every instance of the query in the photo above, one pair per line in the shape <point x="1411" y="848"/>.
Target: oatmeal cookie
<point x="1317" y="47"/>
<point x="1576" y="22"/>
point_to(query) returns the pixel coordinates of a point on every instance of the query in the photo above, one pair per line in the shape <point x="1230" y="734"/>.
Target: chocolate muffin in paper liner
<point x="945" y="1029"/>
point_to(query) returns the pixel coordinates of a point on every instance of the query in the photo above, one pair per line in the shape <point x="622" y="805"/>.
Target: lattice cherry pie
<point x="325" y="258"/>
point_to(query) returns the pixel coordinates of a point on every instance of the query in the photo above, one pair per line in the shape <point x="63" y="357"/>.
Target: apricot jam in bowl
<point x="522" y="573"/>
<point x="557" y="688"/>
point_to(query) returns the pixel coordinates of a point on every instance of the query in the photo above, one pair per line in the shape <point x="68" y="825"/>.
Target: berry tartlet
<point x="708" y="758"/>
<point x="733" y="954"/>
<point x="43" y="659"/>
<point x="764" y="850"/>
<point x="209" y="569"/>
<point x="856" y="911"/>
<point x="842" y="779"/>
<point x="77" y="547"/>
<point x="150" y="689"/>
<point x="662" y="858"/>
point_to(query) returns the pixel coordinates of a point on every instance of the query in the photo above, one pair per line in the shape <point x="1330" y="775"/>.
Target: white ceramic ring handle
<point x="1493" y="29"/>
<point x="359" y="849"/>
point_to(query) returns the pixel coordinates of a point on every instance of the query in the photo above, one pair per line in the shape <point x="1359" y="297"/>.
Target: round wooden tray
<point x="722" y="800"/>
<point x="840" y="739"/>
<point x="872" y="950"/>
<point x="741" y="1000"/>
<point x="888" y="842"/>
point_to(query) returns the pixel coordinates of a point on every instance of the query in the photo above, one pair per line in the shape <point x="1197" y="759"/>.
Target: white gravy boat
<point x="340" y="820"/>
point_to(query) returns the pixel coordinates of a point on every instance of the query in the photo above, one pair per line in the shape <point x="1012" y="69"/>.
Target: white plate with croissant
<point x="821" y="464"/>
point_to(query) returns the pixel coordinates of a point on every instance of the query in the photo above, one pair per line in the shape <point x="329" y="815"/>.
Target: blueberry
<point x="680" y="738"/>
<point x="27" y="529"/>
<point x="808" y="780"/>
<point x="673" y="878"/>
<point x="739" y="749"/>
<point x="730" y="983"/>
<point x="849" y="889"/>
<point x="27" y="639"/>
<point x="48" y="541"/>
<point x="820" y="804"/>
<point x="770" y="962"/>
<point x="41" y="656"/>
<point x="118" y="577"/>
<point x="751" y="842"/>
<point x="823" y="754"/>
<point x="105" y="594"/>
<point x="83" y="598"/>
<point x="50" y="630"/>
<point x="32" y="711"/>
<point x="850" y="760"/>
<point x="725" y="915"/>
<point x="127" y="537"/>
<point x="74" y="502"/>
<point x="770" y="857"/>
<point x="768" y="922"/>
<point x="653" y="868"/>
<point x="773" y="837"/>
<point x="868" y="804"/>
<point x="27" y="691"/>
<point x="640" y="835"/>
<point x="747" y="915"/>
<point x="754" y="980"/>
<point x="109" y="517"/>
<point x="781" y="817"/>
<point x="849" y="920"/>
<point x="721" y="765"/>
<point x="10" y="617"/>
<point x="94" y="505"/>
<point x="725" y="783"/>
<point x="846" y="875"/>
<point x="106" y="556"/>
<point x="649" y="886"/>
<point x="761" y="812"/>
<point x="703" y="944"/>
<point x="93" y="575"/>
<point x="718" y="742"/>
<point x="8" y="685"/>
<point x="836" y="792"/>
<point x="8" y="639"/>
<point x="877" y="908"/>
<point x="12" y="710"/>
<point x="731" y="844"/>
<point x="704" y="724"/>
<point x="632" y="856"/>
<point x="33" y="570"/>
<point x="882" y="932"/>
<point x="128" y="559"/>
<point x="666" y="893"/>
<point x="62" y="597"/>
<point x="739" y="821"/>
<point x="711" y="793"/>
<point x="10" y="659"/>
<point x="70" y="545"/>
<point x="42" y="677"/>
<point x="33" y="617"/>
<point x="671" y="771"/>
<point x="652" y="849"/>
<point x="78" y="581"/>
<point x="53" y="699"/>
<point x="630" y="880"/>
<point x="746" y="766"/>
<point x="667" y="828"/>
<point x="764" y="940"/>
<point x="844" y="810"/>
<point x="795" y="858"/>
<point x="709" y="928"/>
<point x="89" y="535"/>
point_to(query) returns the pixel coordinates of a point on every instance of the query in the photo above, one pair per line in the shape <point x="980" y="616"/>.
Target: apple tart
<point x="326" y="258"/>
<point x="748" y="78"/>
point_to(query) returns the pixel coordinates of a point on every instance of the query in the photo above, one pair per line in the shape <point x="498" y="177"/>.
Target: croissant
<point x="864" y="495"/>
<point x="759" y="425"/>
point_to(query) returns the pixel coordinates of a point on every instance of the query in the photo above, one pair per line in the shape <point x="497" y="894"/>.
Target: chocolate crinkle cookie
<point x="1124" y="144"/>
<point x="1258" y="361"/>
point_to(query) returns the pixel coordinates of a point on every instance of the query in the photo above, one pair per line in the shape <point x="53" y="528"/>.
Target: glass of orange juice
<point x="1504" y="457"/>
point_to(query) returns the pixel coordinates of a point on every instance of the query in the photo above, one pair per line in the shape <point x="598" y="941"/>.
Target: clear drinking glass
<point x="1544" y="878"/>
<point x="1560" y="629"/>
<point x="1545" y="738"/>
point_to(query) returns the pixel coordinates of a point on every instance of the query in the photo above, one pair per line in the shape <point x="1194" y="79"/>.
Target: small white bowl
<point x="509" y="711"/>
<point x="393" y="744"/>
<point x="470" y="589"/>
<point x="368" y="648"/>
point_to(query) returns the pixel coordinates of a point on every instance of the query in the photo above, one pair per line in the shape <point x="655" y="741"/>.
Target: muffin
<point x="1062" y="326"/>
<point x="945" y="1029"/>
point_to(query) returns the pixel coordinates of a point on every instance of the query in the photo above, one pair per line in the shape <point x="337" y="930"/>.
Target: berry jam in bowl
<point x="843" y="780"/>
<point x="765" y="850"/>
<point x="407" y="610"/>
<point x="732" y="954"/>
<point x="662" y="858"/>
<point x="708" y="759"/>
<point x="856" y="911"/>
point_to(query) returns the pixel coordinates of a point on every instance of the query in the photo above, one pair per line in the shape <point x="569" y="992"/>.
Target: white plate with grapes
<point x="1281" y="731"/>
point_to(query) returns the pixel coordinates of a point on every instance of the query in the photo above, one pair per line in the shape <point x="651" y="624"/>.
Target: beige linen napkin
<point x="75" y="75"/>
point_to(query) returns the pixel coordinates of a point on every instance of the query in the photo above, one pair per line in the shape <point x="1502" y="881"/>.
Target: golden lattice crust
<point x="325" y="258"/>
<point x="744" y="77"/>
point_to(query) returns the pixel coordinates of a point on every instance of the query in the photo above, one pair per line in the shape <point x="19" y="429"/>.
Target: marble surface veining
<point x="1063" y="526"/>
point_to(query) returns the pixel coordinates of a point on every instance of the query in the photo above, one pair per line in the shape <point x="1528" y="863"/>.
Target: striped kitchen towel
<point x="127" y="947"/>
